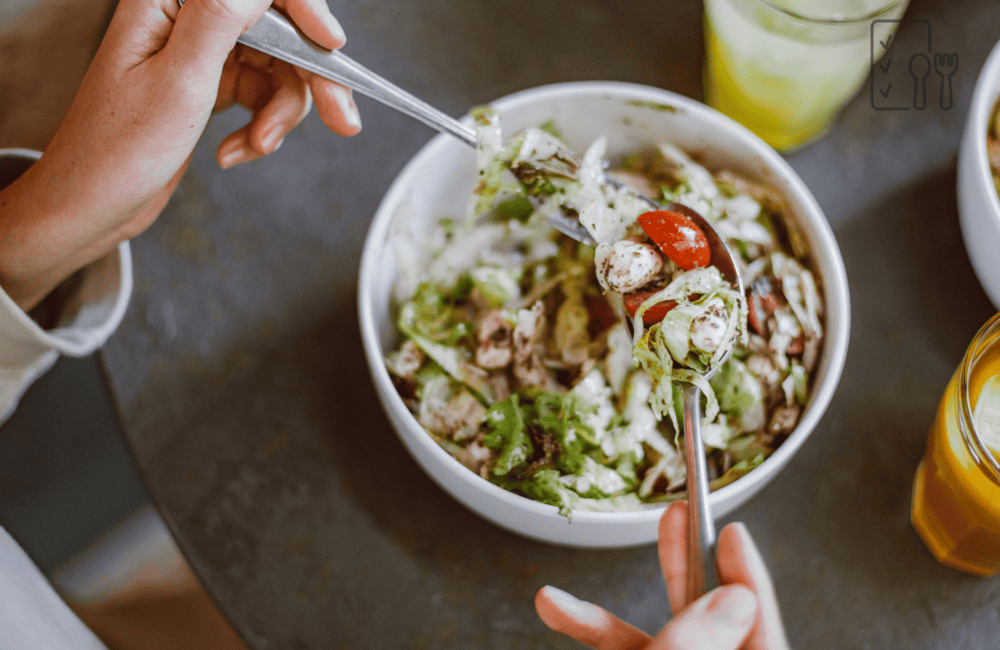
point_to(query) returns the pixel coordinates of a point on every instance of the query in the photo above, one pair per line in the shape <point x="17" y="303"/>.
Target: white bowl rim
<point x="834" y="279"/>
<point x="984" y="98"/>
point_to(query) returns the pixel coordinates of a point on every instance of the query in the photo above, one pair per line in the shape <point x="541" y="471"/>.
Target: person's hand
<point x="742" y="613"/>
<point x="143" y="104"/>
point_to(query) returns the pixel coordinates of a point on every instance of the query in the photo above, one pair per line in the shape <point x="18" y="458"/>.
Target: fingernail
<point x="733" y="606"/>
<point x="751" y="553"/>
<point x="586" y="613"/>
<point x="231" y="154"/>
<point x="347" y="106"/>
<point x="272" y="139"/>
<point x="335" y="27"/>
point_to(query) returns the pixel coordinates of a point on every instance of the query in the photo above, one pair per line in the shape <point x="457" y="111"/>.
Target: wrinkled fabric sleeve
<point x="85" y="321"/>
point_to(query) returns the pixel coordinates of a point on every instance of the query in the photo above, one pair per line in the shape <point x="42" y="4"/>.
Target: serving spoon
<point x="275" y="35"/>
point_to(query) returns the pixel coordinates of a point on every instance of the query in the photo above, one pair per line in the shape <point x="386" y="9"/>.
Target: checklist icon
<point x="906" y="73"/>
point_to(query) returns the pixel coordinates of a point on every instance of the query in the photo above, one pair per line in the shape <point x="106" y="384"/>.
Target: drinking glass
<point x="783" y="68"/>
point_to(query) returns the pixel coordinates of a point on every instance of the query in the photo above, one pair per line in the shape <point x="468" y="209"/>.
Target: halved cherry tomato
<point x="678" y="237"/>
<point x="602" y="316"/>
<point x="652" y="315"/>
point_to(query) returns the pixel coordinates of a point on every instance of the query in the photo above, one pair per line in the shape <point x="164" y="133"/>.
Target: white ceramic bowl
<point x="437" y="182"/>
<point x="978" y="203"/>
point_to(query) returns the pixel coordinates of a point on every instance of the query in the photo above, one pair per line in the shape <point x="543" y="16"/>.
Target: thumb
<point x="719" y="620"/>
<point x="206" y="30"/>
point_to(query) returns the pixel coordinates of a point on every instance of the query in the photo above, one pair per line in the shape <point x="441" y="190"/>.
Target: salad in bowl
<point x="510" y="378"/>
<point x="512" y="359"/>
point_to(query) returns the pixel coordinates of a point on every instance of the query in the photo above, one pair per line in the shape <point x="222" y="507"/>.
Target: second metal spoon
<point x="275" y="35"/>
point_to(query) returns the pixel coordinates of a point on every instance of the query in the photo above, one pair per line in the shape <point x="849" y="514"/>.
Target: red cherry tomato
<point x="602" y="316"/>
<point x="678" y="237"/>
<point x="652" y="315"/>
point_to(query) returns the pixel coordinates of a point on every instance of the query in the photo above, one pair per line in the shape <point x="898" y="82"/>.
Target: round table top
<point x="244" y="394"/>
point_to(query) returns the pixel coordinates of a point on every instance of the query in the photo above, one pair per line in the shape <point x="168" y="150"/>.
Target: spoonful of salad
<point x="681" y="296"/>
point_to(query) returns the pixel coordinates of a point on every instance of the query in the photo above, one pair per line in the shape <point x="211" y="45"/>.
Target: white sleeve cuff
<point x="86" y="320"/>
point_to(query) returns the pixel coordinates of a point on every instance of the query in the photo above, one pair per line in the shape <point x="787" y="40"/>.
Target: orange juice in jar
<point x="956" y="491"/>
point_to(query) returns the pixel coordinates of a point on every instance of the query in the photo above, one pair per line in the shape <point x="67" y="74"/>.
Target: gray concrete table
<point x="245" y="397"/>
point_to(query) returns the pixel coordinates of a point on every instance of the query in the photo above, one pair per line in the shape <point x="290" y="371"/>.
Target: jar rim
<point x="851" y="21"/>
<point x="985" y="458"/>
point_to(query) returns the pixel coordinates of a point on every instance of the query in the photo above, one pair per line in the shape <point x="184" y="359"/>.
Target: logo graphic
<point x="904" y="86"/>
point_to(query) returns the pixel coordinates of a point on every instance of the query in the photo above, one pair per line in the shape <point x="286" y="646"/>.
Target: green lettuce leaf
<point x="508" y="435"/>
<point x="739" y="470"/>
<point x="544" y="486"/>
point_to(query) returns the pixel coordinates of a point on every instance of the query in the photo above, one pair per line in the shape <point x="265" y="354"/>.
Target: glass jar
<point x="956" y="491"/>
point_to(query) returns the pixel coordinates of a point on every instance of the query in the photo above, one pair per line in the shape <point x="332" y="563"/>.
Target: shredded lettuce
<point x="740" y="395"/>
<point x="666" y="350"/>
<point x="492" y="160"/>
<point x="545" y="486"/>
<point x="500" y="286"/>
<point x="796" y="385"/>
<point x="508" y="435"/>
<point x="594" y="480"/>
<point x="591" y="419"/>
<point x="737" y="471"/>
<point x="565" y="417"/>
<point x="424" y="319"/>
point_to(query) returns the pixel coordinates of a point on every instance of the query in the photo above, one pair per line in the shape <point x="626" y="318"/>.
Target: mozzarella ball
<point x="631" y="266"/>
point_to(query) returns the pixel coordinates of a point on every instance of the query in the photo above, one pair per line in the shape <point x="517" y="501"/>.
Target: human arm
<point x="144" y="103"/>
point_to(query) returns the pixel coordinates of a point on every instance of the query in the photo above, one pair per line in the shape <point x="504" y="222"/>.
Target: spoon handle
<point x="275" y="35"/>
<point x="701" y="573"/>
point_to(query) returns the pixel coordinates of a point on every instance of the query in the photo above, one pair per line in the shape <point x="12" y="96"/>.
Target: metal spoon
<point x="701" y="575"/>
<point x="275" y="35"/>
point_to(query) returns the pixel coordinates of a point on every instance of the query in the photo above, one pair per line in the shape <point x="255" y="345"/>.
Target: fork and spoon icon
<point x="945" y="65"/>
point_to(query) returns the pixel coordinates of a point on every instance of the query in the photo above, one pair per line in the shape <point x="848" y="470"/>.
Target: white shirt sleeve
<point x="32" y="616"/>
<point x="31" y="613"/>
<point x="86" y="320"/>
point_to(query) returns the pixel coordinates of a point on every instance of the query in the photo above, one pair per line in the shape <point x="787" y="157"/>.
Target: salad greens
<point x="514" y="362"/>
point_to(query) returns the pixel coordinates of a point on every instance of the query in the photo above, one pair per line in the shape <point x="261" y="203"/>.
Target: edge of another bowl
<point x="978" y="201"/>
